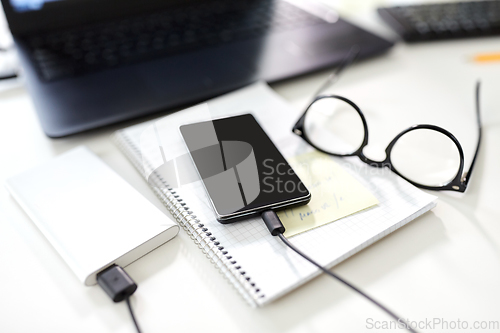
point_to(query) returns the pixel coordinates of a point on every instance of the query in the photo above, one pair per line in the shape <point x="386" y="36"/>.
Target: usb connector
<point x="119" y="286"/>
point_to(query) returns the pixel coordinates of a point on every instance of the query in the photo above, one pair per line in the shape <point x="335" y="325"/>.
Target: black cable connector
<point x="119" y="286"/>
<point x="116" y="283"/>
<point x="273" y="223"/>
<point x="277" y="228"/>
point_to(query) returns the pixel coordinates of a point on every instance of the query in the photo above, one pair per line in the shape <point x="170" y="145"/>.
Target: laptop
<point x="91" y="63"/>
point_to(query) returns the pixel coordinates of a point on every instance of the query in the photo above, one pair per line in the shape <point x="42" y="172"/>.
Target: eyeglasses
<point x="427" y="156"/>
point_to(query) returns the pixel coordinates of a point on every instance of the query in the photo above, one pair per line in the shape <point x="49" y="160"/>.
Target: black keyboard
<point x="79" y="51"/>
<point x="444" y="20"/>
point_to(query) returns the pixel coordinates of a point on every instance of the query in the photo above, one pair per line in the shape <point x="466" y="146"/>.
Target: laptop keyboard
<point x="444" y="20"/>
<point x="127" y="41"/>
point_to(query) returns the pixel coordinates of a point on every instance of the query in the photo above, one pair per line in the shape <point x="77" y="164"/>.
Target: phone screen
<point x="242" y="170"/>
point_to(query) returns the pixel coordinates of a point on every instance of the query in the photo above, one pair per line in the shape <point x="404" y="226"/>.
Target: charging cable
<point x="119" y="286"/>
<point x="276" y="228"/>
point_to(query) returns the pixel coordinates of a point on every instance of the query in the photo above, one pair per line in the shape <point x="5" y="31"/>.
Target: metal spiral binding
<point x="198" y="232"/>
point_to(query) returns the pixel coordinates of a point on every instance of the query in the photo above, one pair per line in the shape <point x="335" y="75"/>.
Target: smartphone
<point x="243" y="172"/>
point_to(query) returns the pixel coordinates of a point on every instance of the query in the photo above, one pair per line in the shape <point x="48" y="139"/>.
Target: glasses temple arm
<point x="467" y="174"/>
<point x="348" y="59"/>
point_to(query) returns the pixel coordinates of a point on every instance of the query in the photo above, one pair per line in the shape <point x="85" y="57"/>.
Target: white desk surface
<point x="444" y="265"/>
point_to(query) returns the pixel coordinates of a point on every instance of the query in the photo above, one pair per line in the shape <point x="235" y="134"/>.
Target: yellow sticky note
<point x="335" y="194"/>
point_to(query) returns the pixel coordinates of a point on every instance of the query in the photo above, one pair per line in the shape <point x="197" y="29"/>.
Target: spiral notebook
<point x="255" y="263"/>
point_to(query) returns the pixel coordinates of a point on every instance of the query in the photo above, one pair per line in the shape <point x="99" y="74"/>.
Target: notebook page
<point x="274" y="268"/>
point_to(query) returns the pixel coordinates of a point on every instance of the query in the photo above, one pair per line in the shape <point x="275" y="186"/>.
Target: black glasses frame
<point x="458" y="183"/>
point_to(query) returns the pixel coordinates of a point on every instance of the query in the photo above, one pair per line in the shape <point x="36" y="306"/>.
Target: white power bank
<point x="90" y="215"/>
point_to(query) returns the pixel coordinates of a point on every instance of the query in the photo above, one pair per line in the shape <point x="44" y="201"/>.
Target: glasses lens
<point x="426" y="157"/>
<point x="334" y="126"/>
